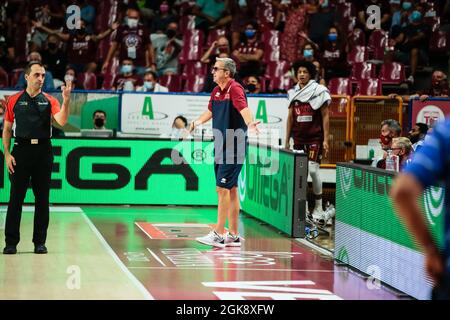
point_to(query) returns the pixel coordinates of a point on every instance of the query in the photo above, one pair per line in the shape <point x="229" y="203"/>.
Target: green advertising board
<point x="122" y="171"/>
<point x="370" y="233"/>
<point x="267" y="188"/>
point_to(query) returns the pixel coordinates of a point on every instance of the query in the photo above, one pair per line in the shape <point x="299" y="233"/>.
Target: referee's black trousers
<point x="34" y="163"/>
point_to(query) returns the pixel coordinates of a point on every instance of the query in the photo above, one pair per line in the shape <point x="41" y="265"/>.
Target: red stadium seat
<point x="392" y="73"/>
<point x="440" y="42"/>
<point x="271" y="53"/>
<point x="194" y="83"/>
<point x="357" y="37"/>
<point x="276" y="68"/>
<point x="173" y="82"/>
<point x="346" y="10"/>
<point x="192" y="46"/>
<point x="369" y="87"/>
<point x="364" y="70"/>
<point x="187" y="23"/>
<point x="340" y="86"/>
<point x="271" y="38"/>
<point x="194" y="67"/>
<point x="277" y="84"/>
<point x="88" y="80"/>
<point x="108" y="80"/>
<point x="264" y="16"/>
<point x="378" y="40"/>
<point x="358" y="54"/>
<point x="213" y="35"/>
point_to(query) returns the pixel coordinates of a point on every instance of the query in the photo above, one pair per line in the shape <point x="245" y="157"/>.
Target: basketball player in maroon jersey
<point x="308" y="125"/>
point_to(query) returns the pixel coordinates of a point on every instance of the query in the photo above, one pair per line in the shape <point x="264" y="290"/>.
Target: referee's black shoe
<point x="40" y="249"/>
<point x="10" y="250"/>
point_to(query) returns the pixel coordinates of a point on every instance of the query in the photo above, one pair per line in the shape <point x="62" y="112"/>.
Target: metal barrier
<point x="340" y="150"/>
<point x="367" y="113"/>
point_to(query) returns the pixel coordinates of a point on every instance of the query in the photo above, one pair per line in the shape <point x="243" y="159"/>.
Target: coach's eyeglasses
<point x="214" y="69"/>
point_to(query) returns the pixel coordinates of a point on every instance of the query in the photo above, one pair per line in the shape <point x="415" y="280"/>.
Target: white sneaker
<point x="212" y="239"/>
<point x="317" y="215"/>
<point x="327" y="216"/>
<point x="232" y="240"/>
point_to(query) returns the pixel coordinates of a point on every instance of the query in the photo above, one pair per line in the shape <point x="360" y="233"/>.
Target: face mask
<point x="385" y="140"/>
<point x="413" y="138"/>
<point x="242" y="3"/>
<point x="99" y="122"/>
<point x="324" y="4"/>
<point x="250" y="33"/>
<point x="406" y="5"/>
<point x="164" y="8"/>
<point x="68" y="77"/>
<point x="415" y="16"/>
<point x="308" y="53"/>
<point x="52" y="46"/>
<point x="222" y="49"/>
<point x="170" y="33"/>
<point x="148" y="85"/>
<point x="332" y="37"/>
<point x="126" y="68"/>
<point x="1" y="120"/>
<point x="251" y="87"/>
<point x="132" y="23"/>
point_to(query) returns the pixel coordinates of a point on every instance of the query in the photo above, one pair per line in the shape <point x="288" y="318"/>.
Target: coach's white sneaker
<point x="212" y="239"/>
<point x="232" y="240"/>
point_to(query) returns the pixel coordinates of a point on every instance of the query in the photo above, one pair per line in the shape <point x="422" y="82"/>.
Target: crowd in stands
<point x="170" y="45"/>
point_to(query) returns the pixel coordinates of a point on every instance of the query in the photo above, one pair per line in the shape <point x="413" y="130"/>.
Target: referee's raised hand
<point x="66" y="89"/>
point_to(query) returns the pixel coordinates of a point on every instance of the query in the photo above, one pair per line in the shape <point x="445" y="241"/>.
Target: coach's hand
<point x="253" y="126"/>
<point x="10" y="162"/>
<point x="193" y="125"/>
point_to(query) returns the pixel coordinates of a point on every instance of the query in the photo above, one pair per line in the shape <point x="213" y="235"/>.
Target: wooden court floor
<point x="109" y="253"/>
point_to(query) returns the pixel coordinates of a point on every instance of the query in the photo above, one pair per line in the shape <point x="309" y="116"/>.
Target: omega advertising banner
<point x="125" y="171"/>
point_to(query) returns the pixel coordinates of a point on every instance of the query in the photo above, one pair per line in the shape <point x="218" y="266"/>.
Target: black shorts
<point x="227" y="175"/>
<point x="313" y="150"/>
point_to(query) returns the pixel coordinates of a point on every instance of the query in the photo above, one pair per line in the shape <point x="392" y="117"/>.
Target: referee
<point x="31" y="111"/>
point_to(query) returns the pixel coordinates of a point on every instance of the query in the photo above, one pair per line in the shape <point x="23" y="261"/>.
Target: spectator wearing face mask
<point x="71" y="75"/>
<point x="253" y="85"/>
<point x="54" y="58"/>
<point x="151" y="83"/>
<point x="334" y="55"/>
<point x="249" y="53"/>
<point x="132" y="40"/>
<point x="390" y="129"/>
<point x="127" y="80"/>
<point x="162" y="20"/>
<point x="99" y="120"/>
<point x="321" y="21"/>
<point x="48" y="79"/>
<point x="167" y="51"/>
<point x="417" y="135"/>
<point x="81" y="45"/>
<point x="412" y="42"/>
